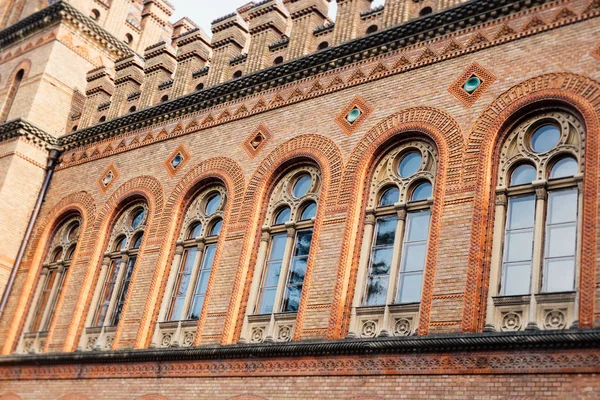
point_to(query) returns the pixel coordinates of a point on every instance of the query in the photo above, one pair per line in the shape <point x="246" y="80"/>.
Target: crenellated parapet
<point x="230" y="37"/>
<point x="99" y="91"/>
<point x="160" y="65"/>
<point x="306" y="15"/>
<point x="155" y="22"/>
<point x="193" y="53"/>
<point x="268" y="21"/>
<point x="129" y="77"/>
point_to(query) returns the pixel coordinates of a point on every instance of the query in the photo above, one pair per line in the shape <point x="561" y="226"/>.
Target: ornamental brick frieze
<point x="384" y="357"/>
<point x="217" y="105"/>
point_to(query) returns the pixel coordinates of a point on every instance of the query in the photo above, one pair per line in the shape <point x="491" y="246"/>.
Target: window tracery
<point x="50" y="285"/>
<point x="117" y="269"/>
<point x="283" y="256"/>
<point x="395" y="242"/>
<point x="537" y="226"/>
<point x="191" y="268"/>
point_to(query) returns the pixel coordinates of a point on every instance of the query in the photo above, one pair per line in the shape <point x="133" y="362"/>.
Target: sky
<point x="203" y="12"/>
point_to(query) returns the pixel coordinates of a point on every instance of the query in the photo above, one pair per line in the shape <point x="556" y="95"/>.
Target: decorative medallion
<point x="555" y="319"/>
<point x="472" y="84"/>
<point x="108" y="178"/>
<point x="177" y="160"/>
<point x="402" y="327"/>
<point x="369" y="329"/>
<point x="511" y="322"/>
<point x="353" y="115"/>
<point x="257" y="140"/>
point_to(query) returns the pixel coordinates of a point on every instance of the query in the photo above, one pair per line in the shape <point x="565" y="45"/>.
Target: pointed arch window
<point x="191" y="268"/>
<point x="395" y="242"/>
<point x="114" y="281"/>
<point x="283" y="257"/>
<point x="12" y="93"/>
<point x="50" y="285"/>
<point x="535" y="263"/>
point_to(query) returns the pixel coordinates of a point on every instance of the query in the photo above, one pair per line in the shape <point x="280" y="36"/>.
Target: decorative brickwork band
<point x="481" y="158"/>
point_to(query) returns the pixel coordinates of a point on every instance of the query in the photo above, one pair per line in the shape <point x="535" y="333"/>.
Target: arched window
<point x="535" y="262"/>
<point x="12" y="93"/>
<point x="200" y="86"/>
<point x="50" y="285"/>
<point x="164" y="99"/>
<point x="115" y="276"/>
<point x="283" y="255"/>
<point x="278" y="60"/>
<point x="128" y="38"/>
<point x="237" y="74"/>
<point x="323" y="45"/>
<point x="132" y="109"/>
<point x="395" y="242"/>
<point x="192" y="266"/>
<point x="102" y="119"/>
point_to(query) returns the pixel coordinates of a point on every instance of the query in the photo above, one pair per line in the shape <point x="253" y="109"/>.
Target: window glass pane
<point x="177" y="309"/>
<point x="120" y="243"/>
<point x="303" y="239"/>
<point x="561" y="240"/>
<point x="292" y="301"/>
<point x="309" y="212"/>
<point x="283" y="216"/>
<point x="272" y="275"/>
<point x="382" y="260"/>
<point x="209" y="256"/>
<point x="519" y="245"/>
<point x="516" y="278"/>
<point x="389" y="197"/>
<point x="410" y="288"/>
<point x="43" y="301"/>
<point x="545" y="138"/>
<point x="564" y="168"/>
<point x="422" y="192"/>
<point x="522" y="175"/>
<point x="297" y="270"/>
<point x="521" y="212"/>
<point x="302" y="186"/>
<point x="203" y="282"/>
<point x="376" y="290"/>
<point x="560" y="275"/>
<point x="196" y="307"/>
<point x="216" y="228"/>
<point x="277" y="246"/>
<point x="562" y="206"/>
<point x="410" y="164"/>
<point x="418" y="226"/>
<point x="385" y="231"/>
<point x="195" y="231"/>
<point x="138" y="218"/>
<point x="137" y="242"/>
<point x="212" y="205"/>
<point x="414" y="256"/>
<point x="266" y="301"/>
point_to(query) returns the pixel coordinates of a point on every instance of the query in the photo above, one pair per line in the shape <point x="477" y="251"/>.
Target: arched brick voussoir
<point x="437" y="124"/>
<point x="445" y="132"/>
<point x="320" y="149"/>
<point x="80" y="203"/>
<point x="219" y="168"/>
<point x="151" y="190"/>
<point x="327" y="156"/>
<point x="575" y="91"/>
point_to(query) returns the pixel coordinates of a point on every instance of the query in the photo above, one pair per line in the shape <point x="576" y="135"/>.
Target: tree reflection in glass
<point x="293" y="291"/>
<point x="380" y="261"/>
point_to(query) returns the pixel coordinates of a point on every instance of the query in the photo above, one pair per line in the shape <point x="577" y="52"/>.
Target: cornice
<point x="59" y="12"/>
<point x="450" y="343"/>
<point x="22" y="128"/>
<point x="466" y="15"/>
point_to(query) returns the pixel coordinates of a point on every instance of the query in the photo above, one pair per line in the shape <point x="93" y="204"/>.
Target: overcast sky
<point x="203" y="12"/>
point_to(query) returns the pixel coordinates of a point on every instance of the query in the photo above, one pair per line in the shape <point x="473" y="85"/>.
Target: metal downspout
<point x="52" y="161"/>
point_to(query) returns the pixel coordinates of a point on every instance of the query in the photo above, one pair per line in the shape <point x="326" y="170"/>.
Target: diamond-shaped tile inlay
<point x="176" y="160"/>
<point x="257" y="140"/>
<point x="353" y="115"/>
<point x="472" y="84"/>
<point x="108" y="178"/>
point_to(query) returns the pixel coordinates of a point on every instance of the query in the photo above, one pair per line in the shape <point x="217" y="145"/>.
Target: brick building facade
<point x="402" y="203"/>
